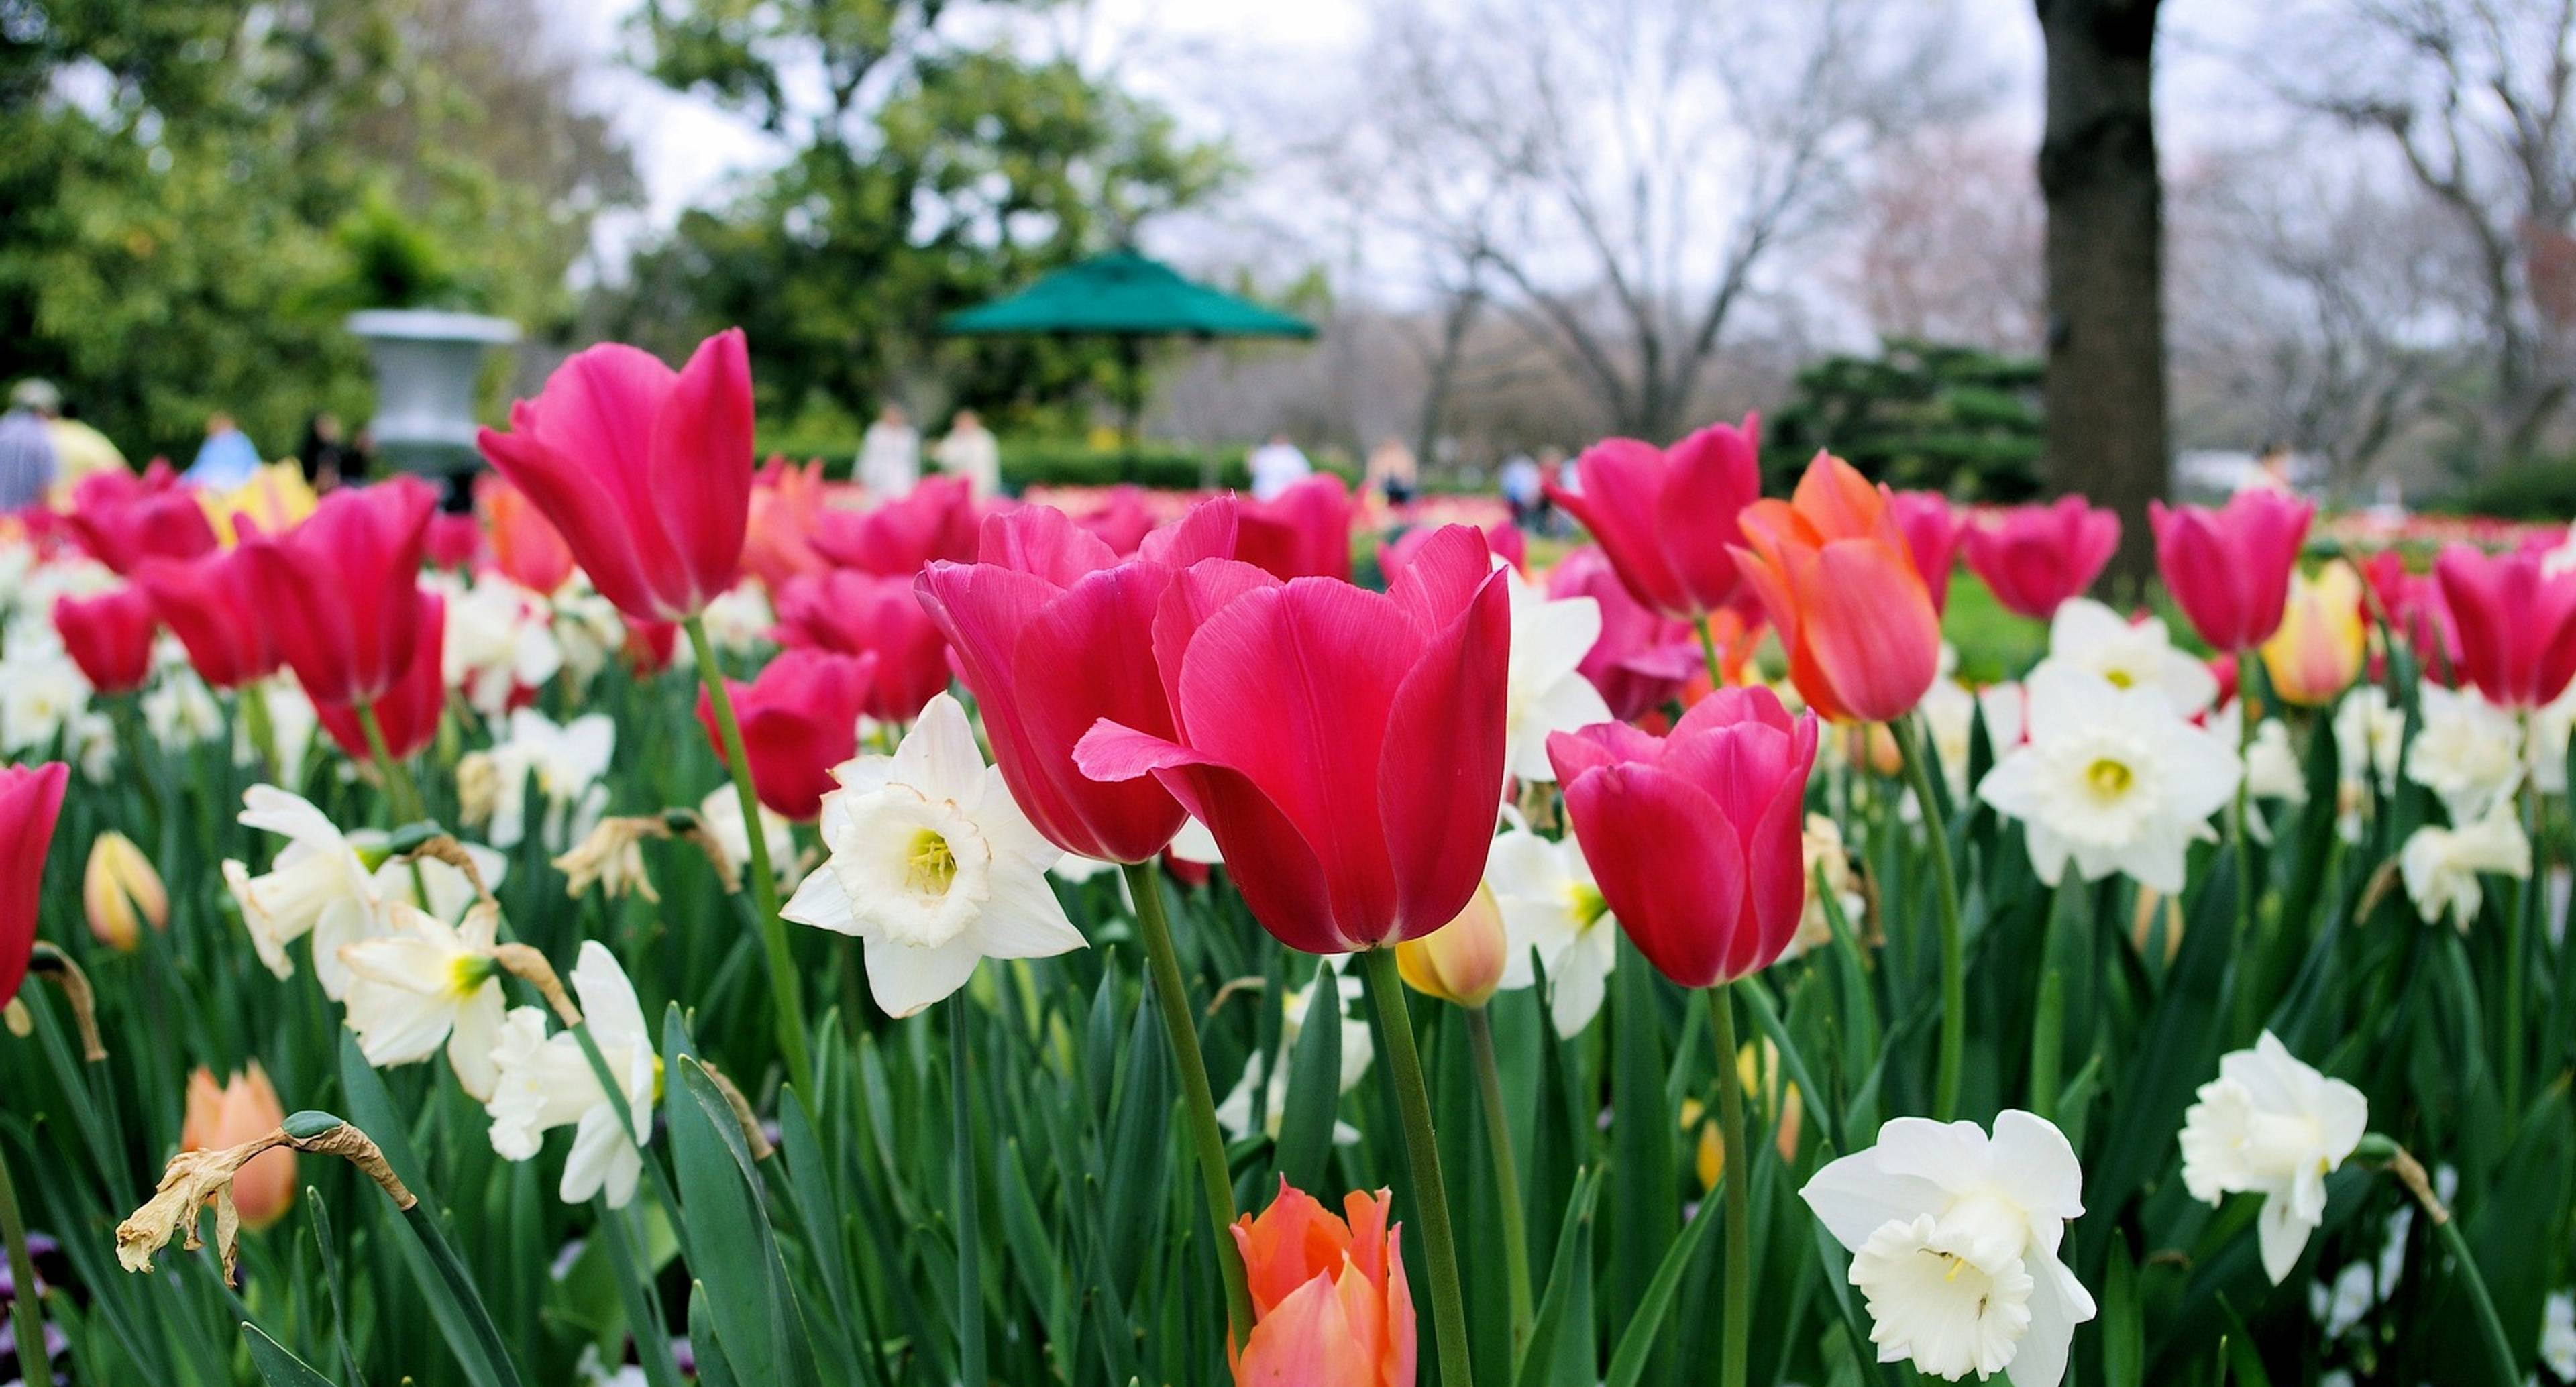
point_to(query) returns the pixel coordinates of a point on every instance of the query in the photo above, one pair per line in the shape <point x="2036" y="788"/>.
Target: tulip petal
<point x="1197" y="593"/>
<point x="1441" y="774"/>
<point x="701" y="465"/>
<point x="1662" y="851"/>
<point x="1205" y="532"/>
<point x="1042" y="540"/>
<point x="1095" y="644"/>
<point x="1869" y="626"/>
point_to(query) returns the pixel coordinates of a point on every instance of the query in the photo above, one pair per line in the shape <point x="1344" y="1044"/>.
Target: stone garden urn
<point x="427" y="362"/>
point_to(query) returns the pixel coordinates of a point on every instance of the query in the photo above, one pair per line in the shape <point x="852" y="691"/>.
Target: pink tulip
<point x="646" y="471"/>
<point x="124" y="522"/>
<point x="109" y="636"/>
<point x="937" y="521"/>
<point x="1932" y="529"/>
<point x="1502" y="538"/>
<point x="2229" y="569"/>
<point x="1667" y="516"/>
<point x="800" y="718"/>
<point x="453" y="541"/>
<point x="1694" y="838"/>
<point x="1345" y="747"/>
<point x="30" y="798"/>
<point x="1303" y="532"/>
<point x="407" y="713"/>
<point x="1053" y="633"/>
<point x="1642" y="659"/>
<point x="2036" y="557"/>
<point x="869" y="614"/>
<point x="212" y="605"/>
<point x="1121" y="520"/>
<point x="2412" y="605"/>
<point x="341" y="590"/>
<point x="2517" y="623"/>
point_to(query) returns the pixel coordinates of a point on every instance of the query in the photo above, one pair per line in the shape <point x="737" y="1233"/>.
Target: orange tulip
<point x="1837" y="579"/>
<point x="244" y="1109"/>
<point x="1329" y="1303"/>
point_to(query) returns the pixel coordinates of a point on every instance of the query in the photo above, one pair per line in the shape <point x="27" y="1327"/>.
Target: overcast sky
<point x="1216" y="63"/>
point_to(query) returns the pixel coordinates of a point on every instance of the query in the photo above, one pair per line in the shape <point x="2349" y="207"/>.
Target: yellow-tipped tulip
<point x="2317" y="652"/>
<point x="1462" y="961"/>
<point x="121" y="891"/>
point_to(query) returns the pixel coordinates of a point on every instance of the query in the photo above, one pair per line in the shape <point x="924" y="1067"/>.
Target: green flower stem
<point x="970" y="1236"/>
<point x="1507" y="1179"/>
<point x="1734" y="1348"/>
<point x="783" y="982"/>
<point x="2526" y="899"/>
<point x="1954" y="958"/>
<point x="1172" y="998"/>
<point x="262" y="730"/>
<point x="398" y="786"/>
<point x="2379" y="1150"/>
<point x="1708" y="653"/>
<point x="22" y="1275"/>
<point x="1422" y="1152"/>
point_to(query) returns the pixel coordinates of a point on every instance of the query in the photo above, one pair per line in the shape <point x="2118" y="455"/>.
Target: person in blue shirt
<point x="225" y="460"/>
<point x="27" y="456"/>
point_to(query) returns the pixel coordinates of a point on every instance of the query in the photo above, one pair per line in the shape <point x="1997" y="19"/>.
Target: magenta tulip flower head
<point x="2035" y="557"/>
<point x="1667" y="516"/>
<point x="30" y="798"/>
<point x="2517" y="623"/>
<point x="342" y="590"/>
<point x="1053" y="633"/>
<point x="2229" y="569"/>
<point x="1303" y="532"/>
<point x="1344" y="747"/>
<point x="1693" y="839"/>
<point x="109" y="636"/>
<point x="1932" y="529"/>
<point x="645" y="471"/>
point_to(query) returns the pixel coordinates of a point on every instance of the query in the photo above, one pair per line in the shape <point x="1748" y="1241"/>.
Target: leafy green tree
<point x="933" y="174"/>
<point x="193" y="195"/>
<point x="1951" y="419"/>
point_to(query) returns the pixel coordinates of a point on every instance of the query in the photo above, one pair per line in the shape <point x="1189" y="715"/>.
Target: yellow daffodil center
<point x="929" y="865"/>
<point x="2120" y="678"/>
<point x="2108" y="778"/>
<point x="469" y="972"/>
<point x="1583" y="901"/>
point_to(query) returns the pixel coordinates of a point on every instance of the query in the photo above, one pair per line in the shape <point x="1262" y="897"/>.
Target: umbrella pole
<point x="1131" y="367"/>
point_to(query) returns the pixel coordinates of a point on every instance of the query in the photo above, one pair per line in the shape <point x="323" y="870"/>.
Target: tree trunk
<point x="2105" y="387"/>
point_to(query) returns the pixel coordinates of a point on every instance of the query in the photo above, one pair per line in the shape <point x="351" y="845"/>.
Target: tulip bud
<point x="1462" y="961"/>
<point x="2317" y="651"/>
<point x="120" y="891"/>
<point x="241" y="1111"/>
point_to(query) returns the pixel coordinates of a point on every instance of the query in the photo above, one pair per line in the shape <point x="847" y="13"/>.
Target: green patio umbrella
<point x="1128" y="298"/>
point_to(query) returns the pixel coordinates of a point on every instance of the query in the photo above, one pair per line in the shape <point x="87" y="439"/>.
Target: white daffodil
<point x="2111" y="778"/>
<point x="2337" y="1308"/>
<point x="1235" y="1113"/>
<point x="1552" y="908"/>
<point x="2139" y="654"/>
<point x="1543" y="691"/>
<point x="318" y="885"/>
<point x="89" y="739"/>
<point x="2545" y="747"/>
<point x="2006" y="709"/>
<point x="932" y="866"/>
<point x="425" y="983"/>
<point x="2272" y="769"/>
<point x="567" y="761"/>
<point x="1954" y="1239"/>
<point x="2271" y="1125"/>
<point x="180" y="711"/>
<point x="587" y="627"/>
<point x="291" y="723"/>
<point x="721" y="812"/>
<point x="500" y="640"/>
<point x="739" y="619"/>
<point x="543" y="1081"/>
<point x="1950" y="713"/>
<point x="2441" y="866"/>
<point x="2370" y="734"/>
<point x="42" y="693"/>
<point x="2558" y="1335"/>
<point x="1822" y="853"/>
<point x="2469" y="752"/>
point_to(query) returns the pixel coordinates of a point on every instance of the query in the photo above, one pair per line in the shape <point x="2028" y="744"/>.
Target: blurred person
<point x="890" y="456"/>
<point x="970" y="451"/>
<point x="79" y="452"/>
<point x="28" y="459"/>
<point x="226" y="460"/>
<point x="328" y="458"/>
<point x="2271" y="470"/>
<point x="1276" y="466"/>
<point x="1392" y="472"/>
<point x="1523" y="487"/>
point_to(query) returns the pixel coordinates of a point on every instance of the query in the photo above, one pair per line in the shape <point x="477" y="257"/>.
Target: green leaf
<point x="1648" y="1322"/>
<point x="276" y="1366"/>
<point x="1645" y="1207"/>
<point x="1559" y="1353"/>
<point x="2124" y="1350"/>
<point x="754" y="1309"/>
<point x="1314" y="1085"/>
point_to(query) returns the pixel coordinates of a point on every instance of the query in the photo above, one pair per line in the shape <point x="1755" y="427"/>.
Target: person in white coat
<point x="890" y="456"/>
<point x="970" y="451"/>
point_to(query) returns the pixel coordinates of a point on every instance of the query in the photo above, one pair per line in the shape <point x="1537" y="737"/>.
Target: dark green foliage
<point x="1919" y="415"/>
